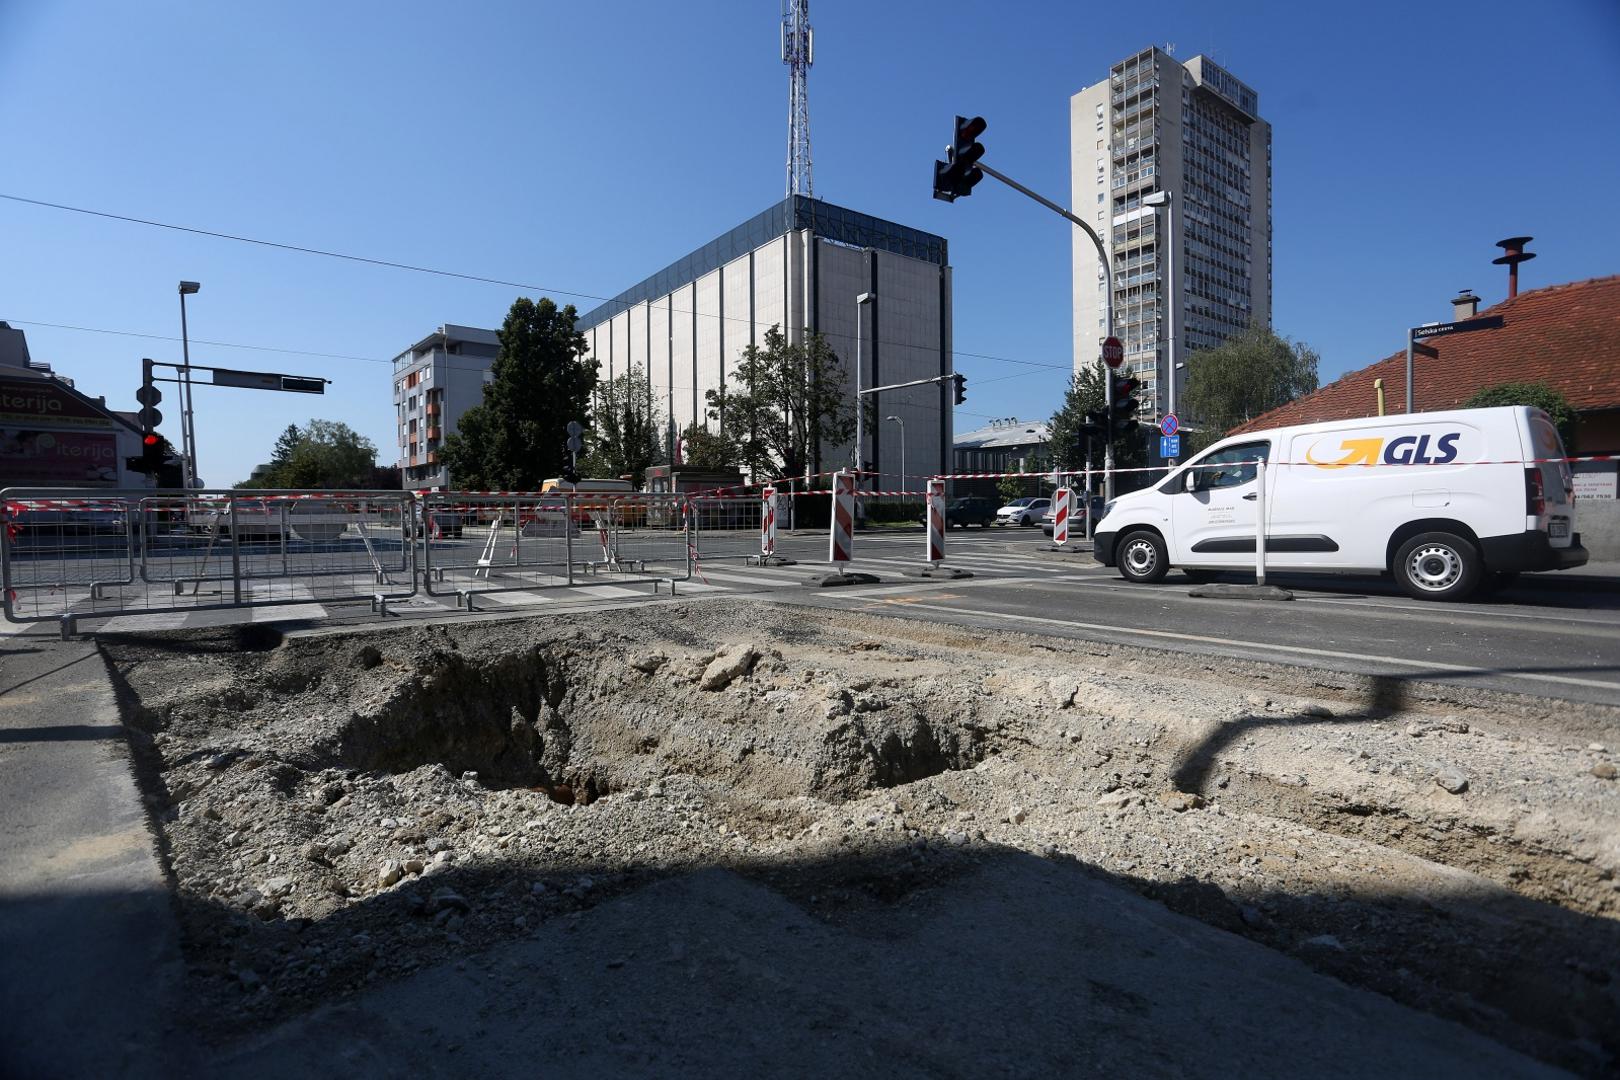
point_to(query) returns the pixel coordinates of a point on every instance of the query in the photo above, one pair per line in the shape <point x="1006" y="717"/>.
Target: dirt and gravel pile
<point x="340" y="811"/>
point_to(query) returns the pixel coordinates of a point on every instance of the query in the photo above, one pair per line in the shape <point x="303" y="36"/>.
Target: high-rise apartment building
<point x="1193" y="130"/>
<point x="435" y="381"/>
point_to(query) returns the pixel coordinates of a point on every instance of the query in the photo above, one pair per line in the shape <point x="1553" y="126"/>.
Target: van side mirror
<point x="1189" y="480"/>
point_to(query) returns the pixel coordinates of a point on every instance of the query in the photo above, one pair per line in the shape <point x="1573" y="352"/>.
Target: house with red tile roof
<point x="1567" y="336"/>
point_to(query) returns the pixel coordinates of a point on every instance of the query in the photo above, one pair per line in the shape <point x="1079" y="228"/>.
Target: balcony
<point x="433" y="433"/>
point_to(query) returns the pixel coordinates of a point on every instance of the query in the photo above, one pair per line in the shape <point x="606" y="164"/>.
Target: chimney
<point x="1465" y="305"/>
<point x="1513" y="254"/>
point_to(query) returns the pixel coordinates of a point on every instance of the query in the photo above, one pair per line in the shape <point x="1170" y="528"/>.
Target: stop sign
<point x="1113" y="352"/>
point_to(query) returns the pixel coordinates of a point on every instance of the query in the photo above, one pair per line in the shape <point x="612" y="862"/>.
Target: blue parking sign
<point x="1169" y="446"/>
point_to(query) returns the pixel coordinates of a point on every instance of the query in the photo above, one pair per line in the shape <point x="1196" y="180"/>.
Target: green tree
<point x="1249" y="374"/>
<point x="626" y="436"/>
<point x="516" y="438"/>
<point x="286" y="443"/>
<point x="705" y="449"/>
<point x="1086" y="393"/>
<point x="1539" y="395"/>
<point x="786" y="402"/>
<point x="329" y="454"/>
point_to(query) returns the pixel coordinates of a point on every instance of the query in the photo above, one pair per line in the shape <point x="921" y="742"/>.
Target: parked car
<point x="1077" y="517"/>
<point x="449" y="523"/>
<point x="1022" y="512"/>
<point x="970" y="510"/>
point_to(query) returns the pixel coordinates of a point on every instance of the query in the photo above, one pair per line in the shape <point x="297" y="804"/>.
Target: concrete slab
<point x="1025" y="966"/>
<point x="1220" y="591"/>
<point x="92" y="978"/>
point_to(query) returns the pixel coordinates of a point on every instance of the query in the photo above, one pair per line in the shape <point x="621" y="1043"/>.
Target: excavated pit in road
<point x="339" y="810"/>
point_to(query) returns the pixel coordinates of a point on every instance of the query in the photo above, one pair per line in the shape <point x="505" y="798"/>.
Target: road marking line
<point x="1409" y="613"/>
<point x="1298" y="650"/>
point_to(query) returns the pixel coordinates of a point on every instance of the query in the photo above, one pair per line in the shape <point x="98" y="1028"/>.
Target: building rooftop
<point x="1567" y="336"/>
<point x="795" y="212"/>
<point x="1004" y="433"/>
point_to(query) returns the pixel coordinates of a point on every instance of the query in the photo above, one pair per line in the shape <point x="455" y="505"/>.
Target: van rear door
<point x="1556" y="481"/>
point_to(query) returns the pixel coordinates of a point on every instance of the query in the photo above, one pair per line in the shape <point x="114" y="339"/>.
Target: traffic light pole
<point x="1108" y="310"/>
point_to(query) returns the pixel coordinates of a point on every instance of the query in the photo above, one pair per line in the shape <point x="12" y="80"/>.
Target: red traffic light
<point x="1124" y="388"/>
<point x="150" y="440"/>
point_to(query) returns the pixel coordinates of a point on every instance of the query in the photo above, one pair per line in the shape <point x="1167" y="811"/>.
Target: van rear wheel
<point x="1437" y="566"/>
<point x="1142" y="558"/>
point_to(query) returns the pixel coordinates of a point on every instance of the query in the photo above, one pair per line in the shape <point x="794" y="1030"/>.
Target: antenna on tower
<point x="798" y="53"/>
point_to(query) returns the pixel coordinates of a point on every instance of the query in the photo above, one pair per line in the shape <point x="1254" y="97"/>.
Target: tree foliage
<point x="1087" y="392"/>
<point x="705" y="449"/>
<point x="1250" y="373"/>
<point x="626" y="436"/>
<point x="784" y="402"/>
<point x="515" y="438"/>
<point x="1538" y="395"/>
<point x="324" y="454"/>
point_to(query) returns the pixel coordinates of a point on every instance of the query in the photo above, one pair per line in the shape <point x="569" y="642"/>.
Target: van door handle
<point x="1250" y="497"/>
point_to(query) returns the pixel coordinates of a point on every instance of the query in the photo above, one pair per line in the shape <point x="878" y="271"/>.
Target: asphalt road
<point x="1547" y="637"/>
<point x="1542" y="638"/>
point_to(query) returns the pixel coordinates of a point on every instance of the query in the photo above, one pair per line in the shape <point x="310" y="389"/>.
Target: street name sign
<point x="1484" y="322"/>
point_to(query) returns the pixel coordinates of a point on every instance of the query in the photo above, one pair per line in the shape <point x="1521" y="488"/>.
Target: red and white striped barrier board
<point x="767" y="522"/>
<point x="1060" y="516"/>
<point x="841" y="536"/>
<point x="936" y="522"/>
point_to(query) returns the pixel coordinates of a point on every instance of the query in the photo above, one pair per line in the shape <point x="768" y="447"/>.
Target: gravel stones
<point x="730" y="663"/>
<point x="1452" y="779"/>
<point x="390" y="872"/>
<point x="1604" y="770"/>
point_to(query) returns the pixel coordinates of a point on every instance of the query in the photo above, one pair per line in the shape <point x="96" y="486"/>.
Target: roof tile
<point x="1567" y="336"/>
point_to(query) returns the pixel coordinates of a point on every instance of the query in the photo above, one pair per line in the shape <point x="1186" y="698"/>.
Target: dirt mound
<point x="342" y="809"/>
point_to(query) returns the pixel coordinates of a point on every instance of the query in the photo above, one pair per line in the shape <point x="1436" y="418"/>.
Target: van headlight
<point x="1108" y="508"/>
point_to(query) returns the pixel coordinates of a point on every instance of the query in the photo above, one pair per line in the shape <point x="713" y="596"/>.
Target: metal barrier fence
<point x="727" y="527"/>
<point x="477" y="544"/>
<point x="66" y="554"/>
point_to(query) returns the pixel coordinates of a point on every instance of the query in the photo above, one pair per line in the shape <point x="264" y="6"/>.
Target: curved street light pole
<point x="1108" y="305"/>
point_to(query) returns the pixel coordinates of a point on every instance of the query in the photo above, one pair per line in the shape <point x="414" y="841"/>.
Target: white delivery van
<point x="1443" y="501"/>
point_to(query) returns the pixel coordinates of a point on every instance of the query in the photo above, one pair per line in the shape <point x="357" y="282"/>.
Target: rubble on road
<point x="346" y="809"/>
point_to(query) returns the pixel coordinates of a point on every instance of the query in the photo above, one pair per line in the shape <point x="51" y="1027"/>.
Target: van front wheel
<point x="1142" y="558"/>
<point x="1437" y="566"/>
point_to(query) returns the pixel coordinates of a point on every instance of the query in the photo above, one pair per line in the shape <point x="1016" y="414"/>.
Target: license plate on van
<point x="1558" y="528"/>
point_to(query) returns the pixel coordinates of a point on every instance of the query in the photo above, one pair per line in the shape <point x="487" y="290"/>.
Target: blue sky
<point x="580" y="147"/>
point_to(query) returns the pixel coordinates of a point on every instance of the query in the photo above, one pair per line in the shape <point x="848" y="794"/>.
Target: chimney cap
<point x="1465" y="296"/>
<point x="1513" y="251"/>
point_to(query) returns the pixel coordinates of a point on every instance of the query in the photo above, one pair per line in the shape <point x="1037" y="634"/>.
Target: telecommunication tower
<point x="798" y="53"/>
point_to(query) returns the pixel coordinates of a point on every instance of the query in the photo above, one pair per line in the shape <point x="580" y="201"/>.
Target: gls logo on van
<point x="1405" y="450"/>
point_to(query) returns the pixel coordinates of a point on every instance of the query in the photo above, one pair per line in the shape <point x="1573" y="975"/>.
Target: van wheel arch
<point x="1425" y="525"/>
<point x="1162" y="555"/>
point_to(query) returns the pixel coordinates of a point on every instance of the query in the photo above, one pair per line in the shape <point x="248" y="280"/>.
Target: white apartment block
<point x="799" y="265"/>
<point x="435" y="381"/>
<point x="1156" y="124"/>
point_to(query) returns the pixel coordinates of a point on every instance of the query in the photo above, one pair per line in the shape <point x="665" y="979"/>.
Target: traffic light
<point x="148" y="395"/>
<point x="961" y="388"/>
<point x="957" y="175"/>
<point x="154" y="454"/>
<point x="1122" y="423"/>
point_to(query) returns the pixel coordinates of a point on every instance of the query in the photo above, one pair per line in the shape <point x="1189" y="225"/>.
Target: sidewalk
<point x="92" y="975"/>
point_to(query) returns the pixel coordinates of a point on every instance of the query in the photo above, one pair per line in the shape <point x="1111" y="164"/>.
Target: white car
<point x="1444" y="502"/>
<point x="1023" y="512"/>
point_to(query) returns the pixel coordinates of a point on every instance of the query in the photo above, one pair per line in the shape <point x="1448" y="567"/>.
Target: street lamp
<point x="1166" y="199"/>
<point x="188" y="434"/>
<point x="860" y="411"/>
<point x="902" y="424"/>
